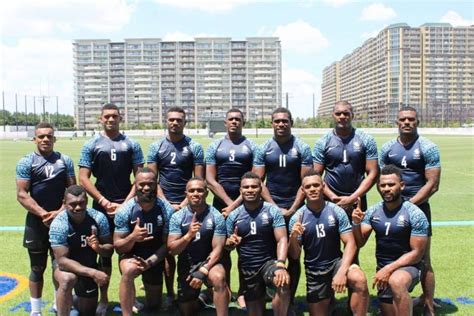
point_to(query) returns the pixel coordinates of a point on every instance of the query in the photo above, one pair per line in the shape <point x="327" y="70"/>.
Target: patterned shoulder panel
<point x="153" y="149"/>
<point x="418" y="221"/>
<point x="259" y="158"/>
<point x="278" y="219"/>
<point x="305" y="152"/>
<point x="211" y="151"/>
<point x="220" y="229"/>
<point x="175" y="222"/>
<point x="101" y="220"/>
<point x="122" y="216"/>
<point x="137" y="158"/>
<point x="23" y="168"/>
<point x="369" y="143"/>
<point x="319" y="146"/>
<point x="59" y="230"/>
<point x="342" y="218"/>
<point x="370" y="213"/>
<point x="197" y="151"/>
<point x="430" y="153"/>
<point x="87" y="152"/>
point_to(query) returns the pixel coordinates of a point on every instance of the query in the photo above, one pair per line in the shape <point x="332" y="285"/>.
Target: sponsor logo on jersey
<point x="416" y="154"/>
<point x="357" y="146"/>
<point x="331" y="220"/>
<point x="185" y="151"/>
<point x="159" y="220"/>
<point x="401" y="220"/>
<point x="265" y="219"/>
<point x="209" y="223"/>
<point x="293" y="153"/>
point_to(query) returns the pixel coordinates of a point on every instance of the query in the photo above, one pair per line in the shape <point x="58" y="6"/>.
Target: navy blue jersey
<point x="212" y="224"/>
<point x="413" y="159"/>
<point x="48" y="177"/>
<point x="64" y="232"/>
<point x="111" y="162"/>
<point x="232" y="160"/>
<point x="393" y="230"/>
<point x="344" y="159"/>
<point x="321" y="239"/>
<point x="175" y="162"/>
<point x="156" y="221"/>
<point x="256" y="228"/>
<point x="283" y="164"/>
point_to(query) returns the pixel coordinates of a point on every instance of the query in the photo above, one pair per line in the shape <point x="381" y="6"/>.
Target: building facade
<point x="428" y="67"/>
<point x="145" y="76"/>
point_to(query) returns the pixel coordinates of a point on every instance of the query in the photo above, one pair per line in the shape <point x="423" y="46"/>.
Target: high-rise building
<point x="430" y="67"/>
<point x="145" y="76"/>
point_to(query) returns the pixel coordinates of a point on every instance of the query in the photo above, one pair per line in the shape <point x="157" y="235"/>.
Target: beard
<point x="147" y="197"/>
<point x="391" y="197"/>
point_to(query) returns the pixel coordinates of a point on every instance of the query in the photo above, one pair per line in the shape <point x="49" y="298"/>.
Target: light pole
<point x="138" y="110"/>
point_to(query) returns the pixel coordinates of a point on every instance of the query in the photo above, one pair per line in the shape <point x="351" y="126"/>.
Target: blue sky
<point x="36" y="36"/>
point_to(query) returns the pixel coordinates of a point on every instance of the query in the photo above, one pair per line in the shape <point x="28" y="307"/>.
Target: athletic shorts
<point x="386" y="295"/>
<point x="254" y="282"/>
<point x="426" y="209"/>
<point x="86" y="287"/>
<point x="36" y="236"/>
<point x="319" y="283"/>
<point x="185" y="292"/>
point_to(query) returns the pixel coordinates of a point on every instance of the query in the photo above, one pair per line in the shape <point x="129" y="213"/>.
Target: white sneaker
<point x="137" y="306"/>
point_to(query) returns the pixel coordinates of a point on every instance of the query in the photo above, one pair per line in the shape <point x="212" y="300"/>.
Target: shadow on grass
<point x="341" y="308"/>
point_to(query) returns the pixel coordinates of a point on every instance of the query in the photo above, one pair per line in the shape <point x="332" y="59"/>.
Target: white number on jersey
<point x="404" y="162"/>
<point x="320" y="230"/>
<point x="83" y="241"/>
<point x="282" y="160"/>
<point x="387" y="224"/>
<point x="48" y="170"/>
<point x="344" y="156"/>
<point x="198" y="236"/>
<point x="113" y="154"/>
<point x="173" y="158"/>
<point x="149" y="228"/>
<point x="253" y="228"/>
<point x="232" y="155"/>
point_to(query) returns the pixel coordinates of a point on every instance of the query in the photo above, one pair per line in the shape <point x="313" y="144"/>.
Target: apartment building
<point x="145" y="76"/>
<point x="428" y="67"/>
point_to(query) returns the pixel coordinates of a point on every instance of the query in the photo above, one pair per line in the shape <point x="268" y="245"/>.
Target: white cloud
<point x="300" y="85"/>
<point x="35" y="67"/>
<point x="28" y="18"/>
<point x="455" y="19"/>
<point x="213" y="6"/>
<point x="300" y="37"/>
<point x="377" y="12"/>
<point x="336" y="3"/>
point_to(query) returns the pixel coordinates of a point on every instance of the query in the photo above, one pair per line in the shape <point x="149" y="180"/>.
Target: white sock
<point x="35" y="304"/>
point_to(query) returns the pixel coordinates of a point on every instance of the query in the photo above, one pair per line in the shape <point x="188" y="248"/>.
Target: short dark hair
<point x="250" y="175"/>
<point x="343" y="102"/>
<point x="408" y="108"/>
<point x="391" y="169"/>
<point x="235" y="110"/>
<point x="146" y="170"/>
<point x="75" y="190"/>
<point x="44" y="125"/>
<point x="110" y="106"/>
<point x="311" y="173"/>
<point x="176" y="109"/>
<point x="198" y="179"/>
<point x="283" y="110"/>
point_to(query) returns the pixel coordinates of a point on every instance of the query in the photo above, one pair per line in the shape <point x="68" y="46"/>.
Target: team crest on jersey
<point x="185" y="151"/>
<point x="159" y="220"/>
<point x="357" y="146"/>
<point x="209" y="223"/>
<point x="416" y="154"/>
<point x="293" y="153"/>
<point x="401" y="220"/>
<point x="59" y="163"/>
<point x="124" y="146"/>
<point x="264" y="218"/>
<point x="245" y="149"/>
<point x="331" y="220"/>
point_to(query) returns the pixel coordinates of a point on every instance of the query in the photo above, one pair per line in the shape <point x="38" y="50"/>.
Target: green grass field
<point x="451" y="245"/>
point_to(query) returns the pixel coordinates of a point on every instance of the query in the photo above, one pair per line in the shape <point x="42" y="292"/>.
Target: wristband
<point x="100" y="200"/>
<point x="281" y="261"/>
<point x="355" y="225"/>
<point x="198" y="275"/>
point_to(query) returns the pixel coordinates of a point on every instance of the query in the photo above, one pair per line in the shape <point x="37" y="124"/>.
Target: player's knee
<point x="397" y="284"/>
<point x="129" y="271"/>
<point x="36" y="273"/>
<point x="357" y="280"/>
<point x="217" y="279"/>
<point x="67" y="280"/>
